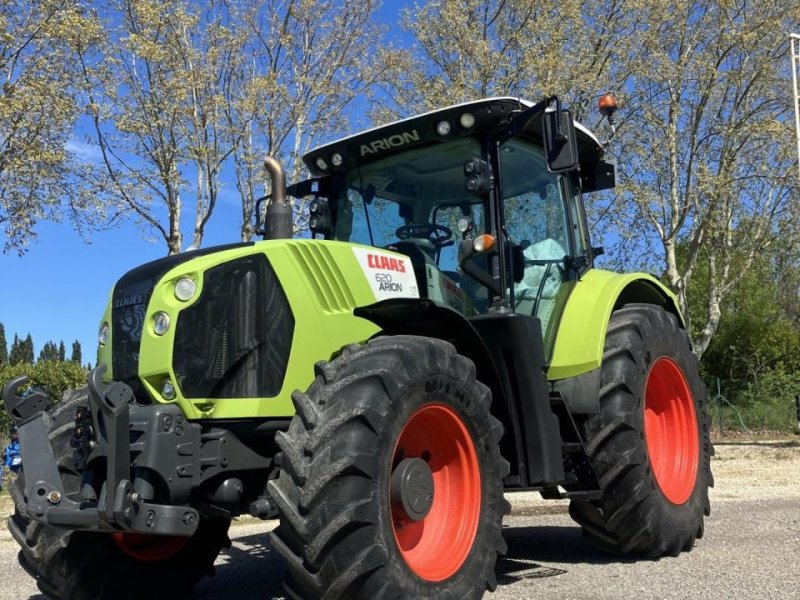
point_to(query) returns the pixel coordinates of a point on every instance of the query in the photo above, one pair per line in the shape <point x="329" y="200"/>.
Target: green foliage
<point x="61" y="351"/>
<point x="54" y="377"/>
<point x="755" y="353"/>
<point x="765" y="403"/>
<point x="756" y="332"/>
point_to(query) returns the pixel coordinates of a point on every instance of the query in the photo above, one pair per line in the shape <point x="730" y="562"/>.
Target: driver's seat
<point x="424" y="244"/>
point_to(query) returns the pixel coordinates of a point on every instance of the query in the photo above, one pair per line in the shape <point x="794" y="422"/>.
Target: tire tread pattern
<point x="330" y="531"/>
<point x="633" y="516"/>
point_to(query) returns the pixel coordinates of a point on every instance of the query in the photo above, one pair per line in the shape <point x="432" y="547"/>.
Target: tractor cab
<point x="483" y="197"/>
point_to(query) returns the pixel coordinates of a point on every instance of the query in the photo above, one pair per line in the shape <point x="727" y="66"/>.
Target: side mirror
<point x="560" y="145"/>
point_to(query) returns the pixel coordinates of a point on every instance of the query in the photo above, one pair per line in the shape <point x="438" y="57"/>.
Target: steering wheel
<point x="434" y="233"/>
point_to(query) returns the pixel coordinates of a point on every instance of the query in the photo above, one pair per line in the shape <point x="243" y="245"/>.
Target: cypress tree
<point x="62" y="353"/>
<point x="27" y="350"/>
<point x="49" y="352"/>
<point x="14" y="357"/>
<point x="3" y="346"/>
<point x="76" y="352"/>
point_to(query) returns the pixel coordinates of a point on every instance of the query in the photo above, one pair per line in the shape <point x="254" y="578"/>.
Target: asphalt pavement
<point x="751" y="550"/>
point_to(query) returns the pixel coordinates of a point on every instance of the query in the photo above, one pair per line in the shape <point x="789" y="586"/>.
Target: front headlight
<point x="185" y="289"/>
<point x="168" y="389"/>
<point x="161" y="323"/>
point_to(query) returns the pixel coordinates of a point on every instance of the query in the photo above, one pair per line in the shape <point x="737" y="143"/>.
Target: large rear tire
<point x="649" y="445"/>
<point x="399" y="409"/>
<point x="77" y="565"/>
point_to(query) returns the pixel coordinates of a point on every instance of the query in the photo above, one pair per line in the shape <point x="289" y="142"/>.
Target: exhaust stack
<point x="278" y="224"/>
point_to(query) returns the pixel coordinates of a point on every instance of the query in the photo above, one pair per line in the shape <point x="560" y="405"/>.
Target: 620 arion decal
<point x="388" y="275"/>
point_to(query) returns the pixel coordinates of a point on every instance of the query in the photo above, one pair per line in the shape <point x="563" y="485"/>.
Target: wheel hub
<point x="435" y="492"/>
<point x="411" y="488"/>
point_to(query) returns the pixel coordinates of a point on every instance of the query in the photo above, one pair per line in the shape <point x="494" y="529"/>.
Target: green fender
<point x="582" y="330"/>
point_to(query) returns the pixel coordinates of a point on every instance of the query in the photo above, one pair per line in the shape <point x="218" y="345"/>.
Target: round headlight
<point x="336" y="160"/>
<point x="185" y="289"/>
<point x="443" y="127"/>
<point x="161" y="323"/>
<point x="323" y="166"/>
<point x="168" y="389"/>
<point x="467" y="120"/>
<point x="102" y="335"/>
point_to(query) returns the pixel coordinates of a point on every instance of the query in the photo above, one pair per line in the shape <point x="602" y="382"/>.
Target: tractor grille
<point x="128" y="309"/>
<point x="234" y="342"/>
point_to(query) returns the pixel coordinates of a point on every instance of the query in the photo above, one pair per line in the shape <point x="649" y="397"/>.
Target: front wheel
<point x="392" y="479"/>
<point x="649" y="445"/>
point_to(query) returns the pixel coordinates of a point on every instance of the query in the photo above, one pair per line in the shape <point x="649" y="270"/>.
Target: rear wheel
<point x="649" y="445"/>
<point x="74" y="565"/>
<point x="392" y="479"/>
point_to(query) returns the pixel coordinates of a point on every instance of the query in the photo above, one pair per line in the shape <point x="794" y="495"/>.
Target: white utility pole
<point x="794" y="40"/>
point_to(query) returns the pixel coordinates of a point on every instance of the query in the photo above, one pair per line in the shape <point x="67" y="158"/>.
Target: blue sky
<point x="59" y="288"/>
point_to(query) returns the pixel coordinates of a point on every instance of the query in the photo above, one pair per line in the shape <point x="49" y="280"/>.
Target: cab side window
<point x="536" y="219"/>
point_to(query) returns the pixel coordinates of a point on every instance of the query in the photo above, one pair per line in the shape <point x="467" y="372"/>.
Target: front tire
<point x="649" y="445"/>
<point x="75" y="565"/>
<point x="400" y="408"/>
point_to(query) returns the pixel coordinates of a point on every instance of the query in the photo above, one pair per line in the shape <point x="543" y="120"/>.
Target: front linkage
<point x="139" y="463"/>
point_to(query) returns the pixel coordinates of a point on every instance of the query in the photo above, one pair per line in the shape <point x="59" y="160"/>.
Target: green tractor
<point x="441" y="339"/>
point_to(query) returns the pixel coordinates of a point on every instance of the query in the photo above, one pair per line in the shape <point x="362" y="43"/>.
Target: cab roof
<point x="385" y="140"/>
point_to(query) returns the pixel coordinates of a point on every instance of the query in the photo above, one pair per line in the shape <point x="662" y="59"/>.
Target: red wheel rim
<point x="437" y="545"/>
<point x="670" y="427"/>
<point x="149" y="548"/>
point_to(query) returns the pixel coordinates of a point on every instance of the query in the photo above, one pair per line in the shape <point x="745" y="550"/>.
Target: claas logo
<point x="378" y="261"/>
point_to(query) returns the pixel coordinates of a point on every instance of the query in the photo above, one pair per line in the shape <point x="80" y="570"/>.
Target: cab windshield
<point x="413" y="201"/>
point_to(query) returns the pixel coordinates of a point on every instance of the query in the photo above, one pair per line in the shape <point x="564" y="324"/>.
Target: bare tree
<point x="709" y="162"/>
<point x="211" y="54"/>
<point x="305" y="64"/>
<point x="138" y="101"/>
<point x="38" y="108"/>
<point x="470" y="49"/>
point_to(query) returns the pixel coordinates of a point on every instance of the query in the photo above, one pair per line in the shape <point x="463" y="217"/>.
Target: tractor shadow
<point x="543" y="551"/>
<point x="248" y="569"/>
<point x="252" y="569"/>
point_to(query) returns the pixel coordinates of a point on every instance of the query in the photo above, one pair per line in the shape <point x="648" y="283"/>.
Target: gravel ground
<point x="750" y="549"/>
